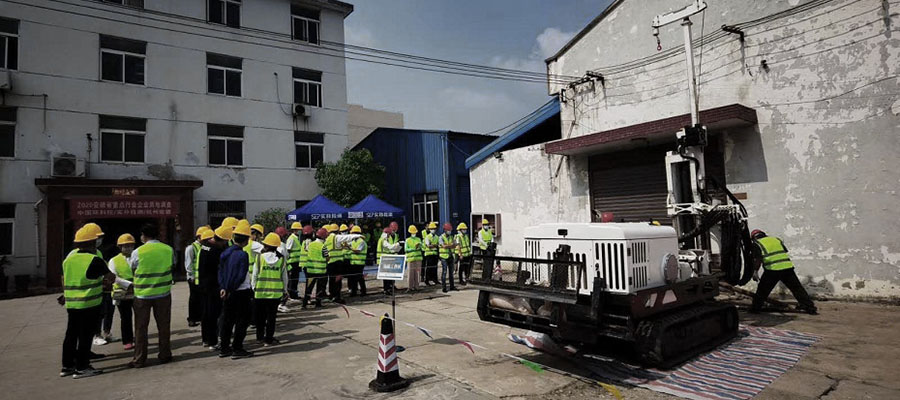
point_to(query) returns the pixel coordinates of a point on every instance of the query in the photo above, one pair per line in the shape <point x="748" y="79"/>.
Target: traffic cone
<point x="387" y="379"/>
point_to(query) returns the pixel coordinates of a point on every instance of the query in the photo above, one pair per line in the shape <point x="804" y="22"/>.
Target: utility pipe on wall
<point x="37" y="234"/>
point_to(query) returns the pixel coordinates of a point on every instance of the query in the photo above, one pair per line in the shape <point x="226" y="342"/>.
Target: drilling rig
<point x="645" y="284"/>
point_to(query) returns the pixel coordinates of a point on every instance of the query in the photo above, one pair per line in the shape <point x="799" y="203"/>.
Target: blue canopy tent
<point x="373" y="207"/>
<point x="319" y="207"/>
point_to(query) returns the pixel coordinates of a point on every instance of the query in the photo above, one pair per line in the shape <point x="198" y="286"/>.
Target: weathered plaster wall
<point x="820" y="169"/>
<point x="59" y="56"/>
<point x="528" y="187"/>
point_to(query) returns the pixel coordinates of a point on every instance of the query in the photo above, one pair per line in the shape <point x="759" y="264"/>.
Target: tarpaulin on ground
<point x="373" y="207"/>
<point x="737" y="370"/>
<point x="319" y="207"/>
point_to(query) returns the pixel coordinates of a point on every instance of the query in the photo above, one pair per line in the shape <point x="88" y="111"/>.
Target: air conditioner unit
<point x="301" y="111"/>
<point x="66" y="166"/>
<point x="5" y="81"/>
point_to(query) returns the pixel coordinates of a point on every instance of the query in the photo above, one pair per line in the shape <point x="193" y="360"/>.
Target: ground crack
<point x="834" y="384"/>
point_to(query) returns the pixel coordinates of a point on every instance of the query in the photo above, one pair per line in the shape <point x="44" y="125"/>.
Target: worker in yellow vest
<point x="463" y="252"/>
<point x="293" y="247"/>
<point x="485" y="236"/>
<point x="317" y="256"/>
<point x="123" y="292"/>
<point x="269" y="281"/>
<point x="191" y="258"/>
<point x="253" y="249"/>
<point x="344" y="246"/>
<point x="388" y="243"/>
<point x="413" y="249"/>
<point x="357" y="253"/>
<point x="83" y="275"/>
<point x="335" y="262"/>
<point x="446" y="250"/>
<point x="152" y="265"/>
<point x="430" y="253"/>
<point x="771" y="252"/>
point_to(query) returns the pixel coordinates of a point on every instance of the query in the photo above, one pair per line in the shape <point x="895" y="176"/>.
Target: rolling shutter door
<point x="630" y="184"/>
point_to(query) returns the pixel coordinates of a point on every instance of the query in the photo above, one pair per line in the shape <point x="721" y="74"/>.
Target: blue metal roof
<point x="545" y="112"/>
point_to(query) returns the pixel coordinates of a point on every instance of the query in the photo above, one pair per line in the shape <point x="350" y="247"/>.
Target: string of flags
<point x="534" y="366"/>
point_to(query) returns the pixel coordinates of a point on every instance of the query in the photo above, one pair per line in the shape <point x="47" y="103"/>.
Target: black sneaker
<point x="66" y="372"/>
<point x="87" y="372"/>
<point x="239" y="354"/>
<point x="340" y="301"/>
<point x="223" y="353"/>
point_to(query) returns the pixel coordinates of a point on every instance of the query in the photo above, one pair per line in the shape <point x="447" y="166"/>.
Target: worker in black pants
<point x="83" y="274"/>
<point x="236" y="292"/>
<point x="771" y="252"/>
<point x="213" y="243"/>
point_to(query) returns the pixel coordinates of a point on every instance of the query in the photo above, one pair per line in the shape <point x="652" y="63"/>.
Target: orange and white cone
<point x="387" y="378"/>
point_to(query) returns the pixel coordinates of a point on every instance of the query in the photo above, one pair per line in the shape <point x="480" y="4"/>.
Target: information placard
<point x="392" y="267"/>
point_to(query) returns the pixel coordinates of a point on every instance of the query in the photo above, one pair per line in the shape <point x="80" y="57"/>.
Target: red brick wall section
<point x="671" y="124"/>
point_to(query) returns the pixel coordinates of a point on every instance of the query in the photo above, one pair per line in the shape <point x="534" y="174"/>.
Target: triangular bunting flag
<point x="345" y="310"/>
<point x="424" y="331"/>
<point x="366" y="313"/>
<point x="534" y="366"/>
<point x="465" y="343"/>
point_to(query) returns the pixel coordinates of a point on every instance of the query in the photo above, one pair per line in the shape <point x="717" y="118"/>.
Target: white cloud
<point x="546" y="44"/>
<point x="359" y="36"/>
<point x="550" y="41"/>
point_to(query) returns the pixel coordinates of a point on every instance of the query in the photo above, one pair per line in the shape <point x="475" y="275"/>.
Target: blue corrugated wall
<point x="413" y="160"/>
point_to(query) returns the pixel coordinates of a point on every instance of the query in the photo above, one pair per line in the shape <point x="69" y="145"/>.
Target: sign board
<point x="392" y="267"/>
<point x="131" y="207"/>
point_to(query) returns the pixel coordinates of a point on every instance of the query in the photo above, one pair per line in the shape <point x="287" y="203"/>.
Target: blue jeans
<point x="446" y="266"/>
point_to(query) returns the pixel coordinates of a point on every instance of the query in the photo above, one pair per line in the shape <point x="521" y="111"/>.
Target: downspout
<point x="445" y="206"/>
<point x="37" y="234"/>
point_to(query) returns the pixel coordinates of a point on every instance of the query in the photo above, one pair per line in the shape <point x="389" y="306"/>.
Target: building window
<point x="307" y="87"/>
<point x="425" y="208"/>
<point x="216" y="211"/>
<point x="225" y="12"/>
<point x="226" y="144"/>
<point x="122" y="139"/>
<point x="304" y="24"/>
<point x="129" y="3"/>
<point x="122" y="60"/>
<point x="7" y="132"/>
<point x="309" y="148"/>
<point x="7" y="223"/>
<point x="223" y="75"/>
<point x="9" y="43"/>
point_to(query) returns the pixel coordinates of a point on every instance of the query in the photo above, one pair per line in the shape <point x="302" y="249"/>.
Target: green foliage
<point x="271" y="218"/>
<point x="352" y="178"/>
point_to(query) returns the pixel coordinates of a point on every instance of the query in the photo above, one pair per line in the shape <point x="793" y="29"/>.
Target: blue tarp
<point x="373" y="207"/>
<point x="318" y="208"/>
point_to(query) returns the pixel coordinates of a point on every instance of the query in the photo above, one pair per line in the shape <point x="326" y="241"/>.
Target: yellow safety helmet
<point x="344" y="227"/>
<point x="207" y="234"/>
<point x="331" y="228"/>
<point x="94" y="229"/>
<point x="84" y="234"/>
<point x="296" y="226"/>
<point x="432" y="225"/>
<point x="485" y="222"/>
<point x="412" y="229"/>
<point x="225" y="232"/>
<point x="272" y="239"/>
<point x="462" y="225"/>
<point x="356" y="229"/>
<point x="202" y="229"/>
<point x="242" y="228"/>
<point x="229" y="222"/>
<point x="259" y="228"/>
<point x="125" y="238"/>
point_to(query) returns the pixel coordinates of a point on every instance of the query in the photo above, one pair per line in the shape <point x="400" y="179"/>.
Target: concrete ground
<point x="325" y="355"/>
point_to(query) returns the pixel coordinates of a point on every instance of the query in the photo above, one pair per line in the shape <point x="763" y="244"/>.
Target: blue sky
<point x="516" y="34"/>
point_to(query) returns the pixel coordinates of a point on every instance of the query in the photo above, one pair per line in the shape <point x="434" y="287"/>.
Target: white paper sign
<point x="392" y="267"/>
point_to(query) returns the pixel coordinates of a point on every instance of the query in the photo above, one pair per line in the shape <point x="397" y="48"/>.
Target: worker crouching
<point x="269" y="283"/>
<point x="778" y="267"/>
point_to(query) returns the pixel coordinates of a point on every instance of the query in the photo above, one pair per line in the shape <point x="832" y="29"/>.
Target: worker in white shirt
<point x="195" y="299"/>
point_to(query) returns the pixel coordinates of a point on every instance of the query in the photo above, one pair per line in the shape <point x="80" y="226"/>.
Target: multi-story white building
<point x="173" y="111"/>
